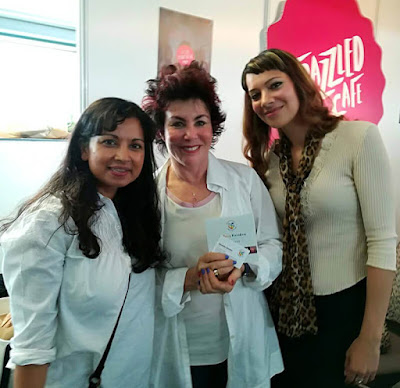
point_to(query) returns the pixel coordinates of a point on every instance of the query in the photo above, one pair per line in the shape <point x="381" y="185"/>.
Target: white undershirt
<point x="204" y="316"/>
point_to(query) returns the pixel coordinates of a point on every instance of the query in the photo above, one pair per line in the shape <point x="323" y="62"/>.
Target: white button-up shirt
<point x="64" y="305"/>
<point x="254" y="354"/>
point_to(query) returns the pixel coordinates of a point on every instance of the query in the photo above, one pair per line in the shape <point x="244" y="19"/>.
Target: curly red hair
<point x="177" y="82"/>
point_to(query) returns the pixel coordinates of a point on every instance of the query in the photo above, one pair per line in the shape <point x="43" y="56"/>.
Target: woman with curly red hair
<point x="213" y="326"/>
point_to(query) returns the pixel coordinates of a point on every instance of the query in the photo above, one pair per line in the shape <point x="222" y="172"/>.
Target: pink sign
<point x="184" y="55"/>
<point x="336" y="45"/>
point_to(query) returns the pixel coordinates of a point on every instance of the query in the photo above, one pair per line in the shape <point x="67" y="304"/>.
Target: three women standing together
<point x="68" y="253"/>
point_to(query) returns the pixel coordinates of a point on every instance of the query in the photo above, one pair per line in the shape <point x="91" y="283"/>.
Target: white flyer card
<point x="233" y="250"/>
<point x="240" y="229"/>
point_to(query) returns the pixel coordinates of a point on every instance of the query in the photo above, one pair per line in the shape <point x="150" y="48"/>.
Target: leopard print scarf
<point x="292" y="297"/>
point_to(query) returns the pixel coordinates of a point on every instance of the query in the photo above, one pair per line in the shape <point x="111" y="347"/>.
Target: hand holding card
<point x="235" y="251"/>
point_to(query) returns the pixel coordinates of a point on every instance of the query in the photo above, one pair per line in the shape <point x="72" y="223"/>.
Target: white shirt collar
<point x="217" y="178"/>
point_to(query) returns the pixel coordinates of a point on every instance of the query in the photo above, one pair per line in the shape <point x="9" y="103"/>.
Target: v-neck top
<point x="348" y="207"/>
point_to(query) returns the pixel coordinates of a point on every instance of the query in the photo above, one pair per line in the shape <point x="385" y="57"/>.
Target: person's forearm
<point x="191" y="280"/>
<point x="30" y="376"/>
<point x="379" y="287"/>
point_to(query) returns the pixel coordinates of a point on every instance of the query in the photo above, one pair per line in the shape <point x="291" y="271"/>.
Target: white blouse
<point x="64" y="305"/>
<point x="254" y="355"/>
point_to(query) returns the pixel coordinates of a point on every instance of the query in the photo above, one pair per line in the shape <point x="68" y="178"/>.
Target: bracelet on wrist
<point x="248" y="272"/>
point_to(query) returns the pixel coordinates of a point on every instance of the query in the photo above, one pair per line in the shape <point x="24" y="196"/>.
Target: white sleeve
<point x="33" y="251"/>
<point x="173" y="298"/>
<point x="267" y="263"/>
<point x="372" y="178"/>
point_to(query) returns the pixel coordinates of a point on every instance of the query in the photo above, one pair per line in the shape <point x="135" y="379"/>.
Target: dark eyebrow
<point x="116" y="137"/>
<point x="200" y="116"/>
<point x="271" y="79"/>
<point x="196" y="118"/>
<point x="252" y="91"/>
<point x="265" y="83"/>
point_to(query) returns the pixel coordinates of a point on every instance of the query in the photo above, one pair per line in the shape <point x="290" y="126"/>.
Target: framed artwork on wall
<point x="183" y="38"/>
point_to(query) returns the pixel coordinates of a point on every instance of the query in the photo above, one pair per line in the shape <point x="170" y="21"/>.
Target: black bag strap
<point x="95" y="377"/>
<point x="5" y="376"/>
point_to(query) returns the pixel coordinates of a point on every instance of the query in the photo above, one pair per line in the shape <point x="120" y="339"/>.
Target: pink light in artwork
<point x="184" y="55"/>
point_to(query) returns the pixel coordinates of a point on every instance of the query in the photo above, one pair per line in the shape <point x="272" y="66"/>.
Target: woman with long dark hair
<point x="70" y="251"/>
<point x="325" y="176"/>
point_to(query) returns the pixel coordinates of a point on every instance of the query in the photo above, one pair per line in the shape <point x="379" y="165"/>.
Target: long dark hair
<point x="76" y="187"/>
<point x="312" y="110"/>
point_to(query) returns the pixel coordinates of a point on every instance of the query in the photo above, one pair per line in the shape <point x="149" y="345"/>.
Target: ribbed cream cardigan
<point x="348" y="206"/>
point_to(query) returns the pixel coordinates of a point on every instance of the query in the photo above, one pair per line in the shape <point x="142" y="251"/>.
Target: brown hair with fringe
<point x="257" y="134"/>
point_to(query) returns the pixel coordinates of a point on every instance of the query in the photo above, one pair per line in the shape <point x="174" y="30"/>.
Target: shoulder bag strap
<point x="95" y="377"/>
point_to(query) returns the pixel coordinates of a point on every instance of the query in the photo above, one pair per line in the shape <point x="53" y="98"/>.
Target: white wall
<point x="388" y="36"/>
<point x="121" y="52"/>
<point x="121" y="46"/>
<point x="122" y="41"/>
<point x="24" y="166"/>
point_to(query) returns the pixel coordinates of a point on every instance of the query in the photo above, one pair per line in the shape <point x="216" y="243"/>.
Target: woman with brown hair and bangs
<point x="330" y="301"/>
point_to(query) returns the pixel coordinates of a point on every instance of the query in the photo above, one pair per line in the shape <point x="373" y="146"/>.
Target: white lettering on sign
<point x="338" y="72"/>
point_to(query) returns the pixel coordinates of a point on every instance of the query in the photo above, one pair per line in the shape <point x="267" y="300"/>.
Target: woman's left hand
<point x="235" y="275"/>
<point x="362" y="360"/>
<point x="210" y="284"/>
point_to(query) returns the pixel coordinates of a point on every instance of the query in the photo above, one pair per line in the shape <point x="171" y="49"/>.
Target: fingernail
<point x="226" y="256"/>
<point x="203" y="271"/>
<point x="208" y="270"/>
<point x="234" y="262"/>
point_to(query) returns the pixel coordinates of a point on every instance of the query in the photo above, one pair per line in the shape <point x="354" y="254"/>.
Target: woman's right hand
<point x="206" y="266"/>
<point x="218" y="261"/>
<point x="208" y="282"/>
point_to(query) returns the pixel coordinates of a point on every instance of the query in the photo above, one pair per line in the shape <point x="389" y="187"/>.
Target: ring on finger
<point x="359" y="380"/>
<point x="216" y="273"/>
